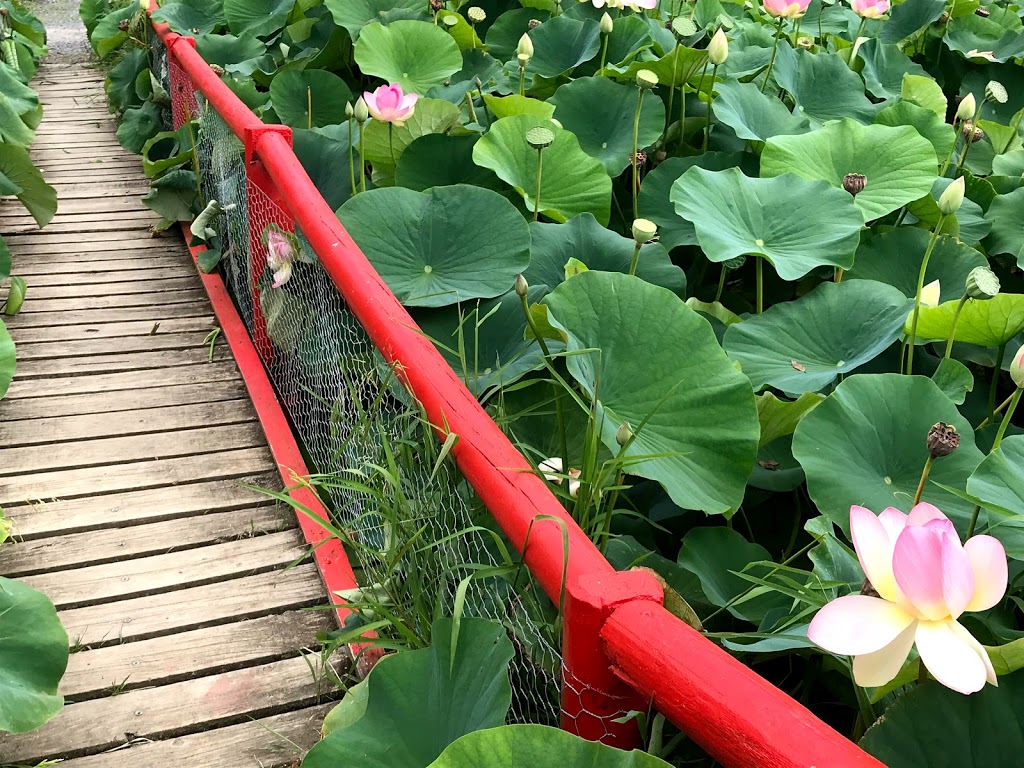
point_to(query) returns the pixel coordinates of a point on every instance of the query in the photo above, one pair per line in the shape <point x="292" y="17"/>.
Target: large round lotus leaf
<point x="797" y="224"/>
<point x="439" y="247"/>
<point x="968" y="224"/>
<point x="191" y="17"/>
<point x="326" y="161"/>
<point x="924" y="121"/>
<point x="415" y="54"/>
<point x="33" y="652"/>
<point x="935" y="727"/>
<point x="679" y="66"/>
<point x="802" y="345"/>
<point x="485" y="341"/>
<point x="20" y="177"/>
<point x="503" y="35"/>
<point x="294" y="91"/>
<point x="438" y="160"/>
<point x="654" y="203"/>
<point x="754" y="115"/>
<point x="384" y="145"/>
<point x="972" y="35"/>
<point x="655" y="363"/>
<point x="6" y="359"/>
<point x="822" y="85"/>
<point x="899" y="163"/>
<point x="418" y="702"/>
<point x="226" y="50"/>
<point x="894" y="257"/>
<point x="538" y="746"/>
<point x="572" y="182"/>
<point x="985" y="323"/>
<point x="598" y="248"/>
<point x="601" y="113"/>
<point x="908" y="18"/>
<point x="256" y="18"/>
<point x="561" y="44"/>
<point x="865" y="444"/>
<point x="353" y="15"/>
<point x="1007" y="216"/>
<point x="884" y="67"/>
<point x="998" y="485"/>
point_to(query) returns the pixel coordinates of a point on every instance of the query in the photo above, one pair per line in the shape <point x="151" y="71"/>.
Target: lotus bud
<point x="360" y="111"/>
<point x="556" y="123"/>
<point x="718" y="48"/>
<point x="607" y="24"/>
<point x="982" y="284"/>
<point x="734" y="263"/>
<point x="930" y="294"/>
<point x="951" y="200"/>
<point x="942" y="440"/>
<point x="967" y="106"/>
<point x="994" y="91"/>
<point x="646" y="79"/>
<point x="644" y="231"/>
<point x="525" y="48"/>
<point x="539" y="138"/>
<point x="522" y="287"/>
<point x="1017" y="368"/>
<point x="349" y="110"/>
<point x="476" y="14"/>
<point x="854" y="183"/>
<point x="623" y="434"/>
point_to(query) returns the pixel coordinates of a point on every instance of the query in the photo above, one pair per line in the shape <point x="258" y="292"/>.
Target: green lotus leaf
<point x="256" y="18"/>
<point x="514" y="104"/>
<point x="228" y="50"/>
<point x="107" y="36"/>
<point x="822" y="85"/>
<point x="440" y="247"/>
<point x="803" y="345"/>
<point x="954" y="379"/>
<point x="899" y="163"/>
<point x="166" y="150"/>
<point x="924" y="92"/>
<point x="865" y="444"/>
<point x="120" y="85"/>
<point x="653" y="362"/>
<point x="779" y="418"/>
<point x="172" y="195"/>
<point x="415" y="54"/>
<point x="678" y="66"/>
<point x="561" y="44"/>
<point x="924" y="121"/>
<point x="572" y="182"/>
<point x="998" y="485"/>
<point x="293" y="92"/>
<point x="797" y="224"/>
<point x="974" y="35"/>
<point x="437" y="160"/>
<point x="353" y="15"/>
<point x="139" y="125"/>
<point x="7" y="361"/>
<point x="754" y="115"/>
<point x="910" y="17"/>
<point x="1007" y="216"/>
<point x="503" y="36"/>
<point x="20" y="177"/>
<point x="884" y="68"/>
<point x="191" y="17"/>
<point x="600" y="112"/>
<point x="985" y="323"/>
<point x="326" y="161"/>
<point x="383" y="144"/>
<point x="33" y="646"/>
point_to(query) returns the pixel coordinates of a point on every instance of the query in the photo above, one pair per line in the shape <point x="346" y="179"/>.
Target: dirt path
<point x="65" y="32"/>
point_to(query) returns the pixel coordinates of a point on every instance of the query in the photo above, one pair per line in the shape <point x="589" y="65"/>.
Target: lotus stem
<point x="999" y="409"/>
<point x="362" y="160"/>
<point x="391" y="144"/>
<point x="917" y="296"/>
<point x="309" y="108"/>
<point x="707" y="126"/>
<point x="969" y="140"/>
<point x="633" y="158"/>
<point x="1014" y="399"/>
<point x="860" y="29"/>
<point x="604" y="52"/>
<point x="974" y="521"/>
<point x="522" y="80"/>
<point x="924" y="478"/>
<point x="721" y="284"/>
<point x="839" y="275"/>
<point x="636" y="258"/>
<point x="483" y="105"/>
<point x="471" y="107"/>
<point x="759" y="271"/>
<point x="351" y="158"/>
<point x="956" y="319"/>
<point x="536" y="200"/>
<point x="995" y="381"/>
<point x="775" y="50"/>
<point x="672" y="91"/>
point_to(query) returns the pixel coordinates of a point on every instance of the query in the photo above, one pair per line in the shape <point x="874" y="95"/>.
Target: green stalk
<point x="483" y="104"/>
<point x="636" y="258"/>
<point x="952" y="150"/>
<point x="309" y="108"/>
<point x="1006" y="419"/>
<point x="471" y="106"/>
<point x="956" y="319"/>
<point x="721" y="284"/>
<point x="760" y="284"/>
<point x="362" y="161"/>
<point x="860" y="29"/>
<point x="968" y="140"/>
<point x="682" y="112"/>
<point x="920" y="287"/>
<point x="522" y="81"/>
<point x="924" y="478"/>
<point x="636" y="137"/>
<point x="995" y="380"/>
<point x="351" y="158"/>
<point x="999" y="409"/>
<point x="707" y="127"/>
<point x="672" y="89"/>
<point x="775" y="50"/>
<point x="391" y="144"/>
<point x="536" y="200"/>
<point x="604" y="52"/>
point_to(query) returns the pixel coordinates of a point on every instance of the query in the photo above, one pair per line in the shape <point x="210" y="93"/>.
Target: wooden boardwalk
<point x="123" y="452"/>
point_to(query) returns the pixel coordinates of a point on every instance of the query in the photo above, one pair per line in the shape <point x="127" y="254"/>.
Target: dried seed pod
<point x="942" y="440"/>
<point x="854" y="183"/>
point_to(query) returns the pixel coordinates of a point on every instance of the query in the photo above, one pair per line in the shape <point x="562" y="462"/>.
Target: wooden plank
<point x="116" y="299"/>
<point x="57" y="258"/>
<point x="138" y="274"/>
<point x="111" y="330"/>
<point x="106" y="346"/>
<point x="110" y="451"/>
<point x="118" y="362"/>
<point x="185" y="609"/>
<point x="46" y="237"/>
<point x="87" y="290"/>
<point x="99" y="316"/>
<point x="159" y="256"/>
<point x="186" y="707"/>
<point x="85" y="206"/>
<point x="165" y="660"/>
<point x="274" y="742"/>
<point x="75" y="550"/>
<point x="139" y="507"/>
<point x="138" y="475"/>
<point x="93" y="584"/>
<point x="139" y="221"/>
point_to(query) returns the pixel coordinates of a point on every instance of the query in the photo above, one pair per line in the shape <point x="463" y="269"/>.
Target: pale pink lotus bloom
<point x="870" y="9"/>
<point x="389" y="104"/>
<point x="280" y="255"/>
<point x="975" y="53"/>
<point x="785" y="8"/>
<point x="636" y="5"/>
<point x="930" y="294"/>
<point x="925" y="578"/>
<point x="552" y="470"/>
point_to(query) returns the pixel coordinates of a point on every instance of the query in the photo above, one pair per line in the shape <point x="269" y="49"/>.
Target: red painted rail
<point x="621" y="649"/>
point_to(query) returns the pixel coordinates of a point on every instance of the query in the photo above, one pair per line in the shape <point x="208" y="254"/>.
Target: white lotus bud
<point x="718" y="48"/>
<point x="951" y="200"/>
<point x="967" y="106"/>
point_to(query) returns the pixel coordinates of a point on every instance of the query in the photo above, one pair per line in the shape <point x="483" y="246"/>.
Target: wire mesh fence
<point x="423" y="541"/>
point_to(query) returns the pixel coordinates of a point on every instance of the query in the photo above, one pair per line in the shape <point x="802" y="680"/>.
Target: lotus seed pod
<point x="683" y="26"/>
<point x="971" y="132"/>
<point x="623" y="434"/>
<point x="805" y="42"/>
<point x="539" y="138"/>
<point x="646" y="79"/>
<point x="718" y="48"/>
<point x="477" y="15"/>
<point x="450" y="20"/>
<point x="734" y="263"/>
<point x="951" y="200"/>
<point x="607" y="24"/>
<point x="967" y="106"/>
<point x="1017" y="368"/>
<point x="942" y="440"/>
<point x="361" y="111"/>
<point x="522" y="287"/>
<point x="525" y="47"/>
<point x="644" y="230"/>
<point x="982" y="284"/>
<point x="854" y="183"/>
<point x="995" y="91"/>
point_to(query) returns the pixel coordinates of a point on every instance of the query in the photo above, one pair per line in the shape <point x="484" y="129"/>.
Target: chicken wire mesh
<point x="412" y="524"/>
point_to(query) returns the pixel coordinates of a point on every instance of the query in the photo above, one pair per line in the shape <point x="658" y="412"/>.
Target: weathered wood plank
<point x="116" y="300"/>
<point x="108" y="346"/>
<point x="108" y="382"/>
<point x="185" y="609"/>
<point x="91" y="290"/>
<point x="112" y="330"/>
<point x="76" y="550"/>
<point x="114" y="363"/>
<point x="35" y="240"/>
<point x="140" y="273"/>
<point x="85" y="316"/>
<point x="180" y="708"/>
<point x="133" y="220"/>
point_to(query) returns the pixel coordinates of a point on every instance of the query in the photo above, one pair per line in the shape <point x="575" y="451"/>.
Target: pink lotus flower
<point x="870" y="9"/>
<point x="280" y="255"/>
<point x="389" y="104"/>
<point x="925" y="579"/>
<point x="786" y="9"/>
<point x="636" y="5"/>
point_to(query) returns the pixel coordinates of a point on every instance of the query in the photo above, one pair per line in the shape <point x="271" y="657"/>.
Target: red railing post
<point x="261" y="189"/>
<point x="596" y="701"/>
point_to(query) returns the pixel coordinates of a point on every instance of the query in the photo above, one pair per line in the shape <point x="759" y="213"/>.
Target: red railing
<point x="621" y="649"/>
